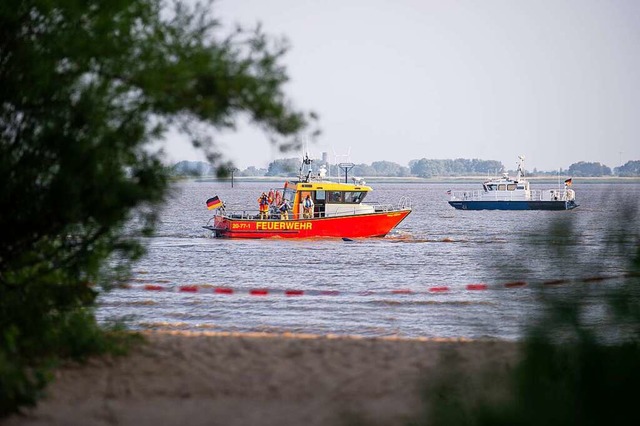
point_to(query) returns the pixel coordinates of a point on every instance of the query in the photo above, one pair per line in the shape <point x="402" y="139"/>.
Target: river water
<point x="441" y="273"/>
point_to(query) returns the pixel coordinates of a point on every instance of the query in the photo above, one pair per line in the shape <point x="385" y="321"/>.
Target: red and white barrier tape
<point x="211" y="289"/>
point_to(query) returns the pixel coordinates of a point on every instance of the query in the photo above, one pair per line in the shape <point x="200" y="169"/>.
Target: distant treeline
<point x="424" y="168"/>
<point x="459" y="167"/>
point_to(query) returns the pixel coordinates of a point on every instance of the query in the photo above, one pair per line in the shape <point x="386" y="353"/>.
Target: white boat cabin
<point x="505" y="188"/>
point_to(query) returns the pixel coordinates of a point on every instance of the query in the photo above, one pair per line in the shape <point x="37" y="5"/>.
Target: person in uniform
<point x="284" y="209"/>
<point x="263" y="203"/>
<point x="307" y="207"/>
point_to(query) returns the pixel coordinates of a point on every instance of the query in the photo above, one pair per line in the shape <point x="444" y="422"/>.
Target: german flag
<point x="568" y="182"/>
<point x="214" y="203"/>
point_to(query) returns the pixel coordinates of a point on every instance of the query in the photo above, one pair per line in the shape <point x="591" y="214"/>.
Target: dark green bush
<point x="86" y="88"/>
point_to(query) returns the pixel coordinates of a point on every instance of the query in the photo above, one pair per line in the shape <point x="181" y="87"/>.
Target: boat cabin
<point x="505" y="184"/>
<point x="329" y="198"/>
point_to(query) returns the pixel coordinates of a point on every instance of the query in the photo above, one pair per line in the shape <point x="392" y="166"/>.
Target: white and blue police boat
<point x="506" y="193"/>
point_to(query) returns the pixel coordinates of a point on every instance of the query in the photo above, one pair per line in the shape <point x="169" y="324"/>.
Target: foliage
<point x="193" y="168"/>
<point x="587" y="169"/>
<point x="202" y="168"/>
<point x="380" y="168"/>
<point x="252" y="171"/>
<point x="460" y="166"/>
<point x="629" y="169"/>
<point x="85" y="87"/>
<point x="573" y="370"/>
<point x="422" y="168"/>
<point x="284" y="167"/>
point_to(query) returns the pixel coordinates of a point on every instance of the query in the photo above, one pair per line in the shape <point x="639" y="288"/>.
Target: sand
<point x="179" y="378"/>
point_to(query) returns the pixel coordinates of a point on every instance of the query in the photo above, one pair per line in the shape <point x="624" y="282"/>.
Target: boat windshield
<point x="345" y="197"/>
<point x="289" y="194"/>
<point x="355" y="197"/>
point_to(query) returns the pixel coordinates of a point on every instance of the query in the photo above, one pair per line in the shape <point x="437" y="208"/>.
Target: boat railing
<point x="563" y="194"/>
<point x="346" y="210"/>
<point x="534" y="195"/>
<point x="467" y="195"/>
<point x="383" y="207"/>
<point x="404" y="203"/>
<point x="552" y="195"/>
<point x="342" y="211"/>
<point x="239" y="214"/>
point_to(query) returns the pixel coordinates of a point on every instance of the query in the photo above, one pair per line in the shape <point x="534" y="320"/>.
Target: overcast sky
<point x="555" y="80"/>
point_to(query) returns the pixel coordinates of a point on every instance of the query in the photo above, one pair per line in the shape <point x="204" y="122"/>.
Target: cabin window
<point x="502" y="187"/>
<point x="520" y="186"/>
<point x="289" y="194"/>
<point x="353" y="197"/>
<point x="335" y="197"/>
<point x="303" y="195"/>
<point x="511" y="187"/>
<point x="491" y="187"/>
<point x="320" y="195"/>
<point x="344" y="197"/>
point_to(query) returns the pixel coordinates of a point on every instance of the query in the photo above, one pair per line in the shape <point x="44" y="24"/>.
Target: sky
<point x="557" y="81"/>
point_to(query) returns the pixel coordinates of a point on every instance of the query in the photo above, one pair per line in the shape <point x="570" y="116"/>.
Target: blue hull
<point x="513" y="205"/>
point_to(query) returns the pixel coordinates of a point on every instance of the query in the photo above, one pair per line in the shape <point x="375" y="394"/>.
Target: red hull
<point x="356" y="226"/>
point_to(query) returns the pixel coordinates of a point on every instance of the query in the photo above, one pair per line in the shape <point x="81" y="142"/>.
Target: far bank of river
<point x="410" y="180"/>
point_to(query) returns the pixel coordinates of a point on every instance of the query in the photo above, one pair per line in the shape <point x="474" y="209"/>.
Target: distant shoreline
<point x="413" y="180"/>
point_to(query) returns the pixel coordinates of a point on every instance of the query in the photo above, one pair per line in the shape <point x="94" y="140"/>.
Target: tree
<point x="587" y="169"/>
<point x="361" y="169"/>
<point x="285" y="166"/>
<point x="389" y="168"/>
<point x="460" y="166"/>
<point x="486" y="167"/>
<point x="629" y="169"/>
<point x="425" y="168"/>
<point x="252" y="171"/>
<point x="85" y="86"/>
<point x="192" y="168"/>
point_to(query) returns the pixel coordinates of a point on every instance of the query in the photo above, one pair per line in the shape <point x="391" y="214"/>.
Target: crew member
<point x="263" y="202"/>
<point x="284" y="209"/>
<point x="307" y="206"/>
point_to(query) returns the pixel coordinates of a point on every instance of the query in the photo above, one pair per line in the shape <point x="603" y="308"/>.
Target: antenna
<point x="346" y="167"/>
<point x="341" y="158"/>
<point x="305" y="165"/>
<point x="345" y="157"/>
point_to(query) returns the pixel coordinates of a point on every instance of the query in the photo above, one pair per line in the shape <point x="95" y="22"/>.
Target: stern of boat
<point x="571" y="204"/>
<point x="219" y="227"/>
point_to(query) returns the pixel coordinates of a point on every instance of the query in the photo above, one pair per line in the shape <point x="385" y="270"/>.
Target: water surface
<point x="380" y="287"/>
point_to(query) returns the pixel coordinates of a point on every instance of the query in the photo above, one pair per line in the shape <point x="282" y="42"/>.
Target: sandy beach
<point x="179" y="378"/>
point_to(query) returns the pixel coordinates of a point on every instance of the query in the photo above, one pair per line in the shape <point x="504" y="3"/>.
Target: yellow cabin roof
<point x="329" y="186"/>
